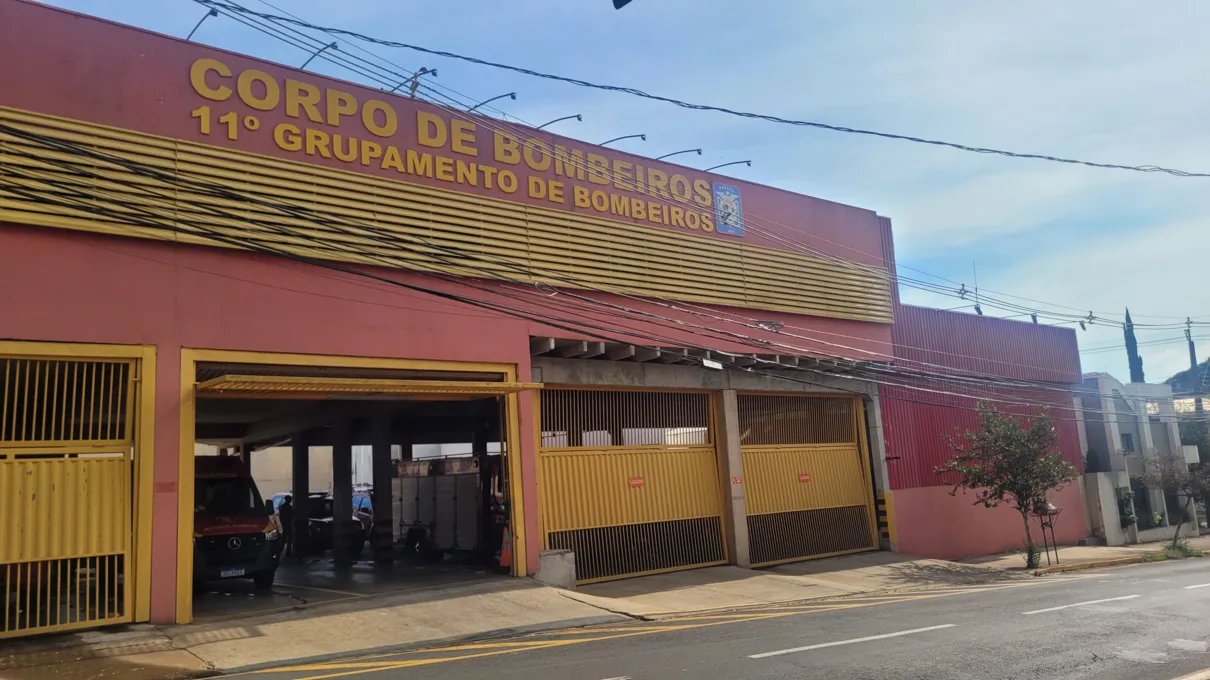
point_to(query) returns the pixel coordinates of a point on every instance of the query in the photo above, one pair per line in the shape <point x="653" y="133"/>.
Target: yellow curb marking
<point x="367" y="664"/>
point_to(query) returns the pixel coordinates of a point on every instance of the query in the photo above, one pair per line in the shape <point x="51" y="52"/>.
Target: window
<point x="1127" y="442"/>
<point x="227" y="496"/>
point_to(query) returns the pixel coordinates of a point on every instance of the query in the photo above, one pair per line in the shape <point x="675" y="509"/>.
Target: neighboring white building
<point x="1127" y="427"/>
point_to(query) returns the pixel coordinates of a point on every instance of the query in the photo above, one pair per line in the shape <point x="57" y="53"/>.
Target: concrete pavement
<point x="330" y="622"/>
<point x="673" y="594"/>
<point x="337" y="612"/>
<point x="491" y="608"/>
<point x="1142" y="622"/>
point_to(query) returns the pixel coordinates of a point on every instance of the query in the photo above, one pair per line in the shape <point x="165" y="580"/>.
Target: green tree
<point x="1174" y="478"/>
<point x="1009" y="461"/>
<point x="1194" y="433"/>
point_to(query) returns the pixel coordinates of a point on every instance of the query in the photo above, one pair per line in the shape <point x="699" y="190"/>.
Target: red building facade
<point x="178" y="207"/>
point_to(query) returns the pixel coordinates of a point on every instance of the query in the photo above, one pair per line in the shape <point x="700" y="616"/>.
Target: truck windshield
<point x="228" y="496"/>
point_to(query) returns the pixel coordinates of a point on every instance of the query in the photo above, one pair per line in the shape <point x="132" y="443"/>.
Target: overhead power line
<point x="375" y="73"/>
<point x="700" y="107"/>
<point x="89" y="199"/>
<point x="276" y="29"/>
<point x="455" y="108"/>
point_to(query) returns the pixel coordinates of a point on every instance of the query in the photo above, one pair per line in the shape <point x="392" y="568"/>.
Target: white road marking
<point x="1079" y="604"/>
<point x="849" y="642"/>
<point x="1203" y="585"/>
<point x="620" y="677"/>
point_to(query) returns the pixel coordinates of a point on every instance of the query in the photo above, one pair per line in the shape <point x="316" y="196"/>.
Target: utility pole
<point x="1200" y="386"/>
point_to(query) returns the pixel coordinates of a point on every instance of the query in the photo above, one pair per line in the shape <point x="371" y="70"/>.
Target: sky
<point x="1102" y="80"/>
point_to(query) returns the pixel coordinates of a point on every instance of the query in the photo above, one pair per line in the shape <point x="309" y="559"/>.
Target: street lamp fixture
<point x="413" y="83"/>
<point x="212" y="13"/>
<point x="618" y="139"/>
<point x="747" y="163"/>
<point x="576" y="116"/>
<point x="510" y="95"/>
<point x="325" y="48"/>
<point x="677" y="153"/>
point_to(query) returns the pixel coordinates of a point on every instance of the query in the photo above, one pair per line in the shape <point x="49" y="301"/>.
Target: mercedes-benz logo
<point x="234" y="543"/>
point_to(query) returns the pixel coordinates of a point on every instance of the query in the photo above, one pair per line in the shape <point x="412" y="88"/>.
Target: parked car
<point x="363" y="510"/>
<point x="319" y="524"/>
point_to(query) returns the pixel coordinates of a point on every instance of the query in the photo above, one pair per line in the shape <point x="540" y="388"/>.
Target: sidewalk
<point x="681" y="592"/>
<point x="144" y="652"/>
<point x="1086" y="557"/>
<point x="495" y="608"/>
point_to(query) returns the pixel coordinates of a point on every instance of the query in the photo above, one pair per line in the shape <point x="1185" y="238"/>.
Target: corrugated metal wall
<point x="980" y="344"/>
<point x="914" y="431"/>
<point x="915" y="422"/>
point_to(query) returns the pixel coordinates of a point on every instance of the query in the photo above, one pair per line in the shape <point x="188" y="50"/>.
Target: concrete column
<point x="1113" y="433"/>
<point x="731" y="473"/>
<point x="1081" y="427"/>
<point x="1146" y="443"/>
<point x="877" y="441"/>
<point x="1091" y="514"/>
<point x="300" y="487"/>
<point x="479" y="451"/>
<point x="878" y="461"/>
<point x="382" y="538"/>
<point x="342" y="493"/>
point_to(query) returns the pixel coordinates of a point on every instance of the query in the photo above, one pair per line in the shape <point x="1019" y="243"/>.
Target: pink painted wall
<point x="70" y="287"/>
<point x="932" y="523"/>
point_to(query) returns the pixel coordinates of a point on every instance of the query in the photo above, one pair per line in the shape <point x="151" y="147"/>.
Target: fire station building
<point x="655" y="368"/>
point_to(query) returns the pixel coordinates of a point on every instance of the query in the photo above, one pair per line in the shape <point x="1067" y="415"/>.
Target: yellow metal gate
<point x="66" y="448"/>
<point x="629" y="481"/>
<point x="806" y="479"/>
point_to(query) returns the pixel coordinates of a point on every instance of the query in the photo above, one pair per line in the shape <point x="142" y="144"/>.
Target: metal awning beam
<point x="295" y="387"/>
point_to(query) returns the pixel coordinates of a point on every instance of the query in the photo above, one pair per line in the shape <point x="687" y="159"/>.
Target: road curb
<point x="1116" y="562"/>
<point x="563" y="624"/>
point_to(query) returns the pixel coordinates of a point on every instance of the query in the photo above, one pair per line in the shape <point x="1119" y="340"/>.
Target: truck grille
<point x="231" y="550"/>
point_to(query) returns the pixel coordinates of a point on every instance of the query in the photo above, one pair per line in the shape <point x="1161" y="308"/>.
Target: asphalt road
<point x="1139" y="623"/>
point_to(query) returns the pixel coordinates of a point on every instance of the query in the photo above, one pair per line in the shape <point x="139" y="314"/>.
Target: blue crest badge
<point x="728" y="210"/>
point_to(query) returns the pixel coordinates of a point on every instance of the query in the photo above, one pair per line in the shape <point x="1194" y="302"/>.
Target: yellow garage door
<point x="806" y="477"/>
<point x="628" y="480"/>
<point x="66" y="447"/>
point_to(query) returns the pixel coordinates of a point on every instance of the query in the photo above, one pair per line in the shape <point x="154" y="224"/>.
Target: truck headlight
<point x="271" y="533"/>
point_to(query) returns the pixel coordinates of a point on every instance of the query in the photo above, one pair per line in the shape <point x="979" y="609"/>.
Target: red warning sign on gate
<point x="636" y="482"/>
<point x="804" y="476"/>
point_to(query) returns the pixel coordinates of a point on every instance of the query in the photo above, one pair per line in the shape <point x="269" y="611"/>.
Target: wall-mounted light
<point x="576" y="116"/>
<point x="510" y="95"/>
<point x="211" y="13"/>
<point x="325" y="48"/>
<point x="677" y="153"/>
<point x="618" y="139"/>
<point x="747" y="163"/>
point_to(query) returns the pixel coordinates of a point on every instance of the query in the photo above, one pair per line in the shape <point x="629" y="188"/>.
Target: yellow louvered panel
<point x="806" y="484"/>
<point x="628" y="480"/>
<point x="415" y="227"/>
<point x="591" y="488"/>
<point x="810" y="477"/>
<point x="63" y="507"/>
